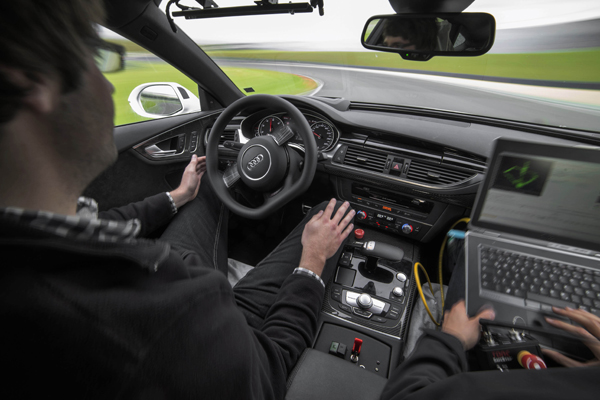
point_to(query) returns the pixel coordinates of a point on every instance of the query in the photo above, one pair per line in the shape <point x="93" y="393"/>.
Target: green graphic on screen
<point x="522" y="175"/>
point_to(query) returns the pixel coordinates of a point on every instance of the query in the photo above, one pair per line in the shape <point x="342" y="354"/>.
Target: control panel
<point x="366" y="306"/>
<point x="388" y="219"/>
<point x="398" y="213"/>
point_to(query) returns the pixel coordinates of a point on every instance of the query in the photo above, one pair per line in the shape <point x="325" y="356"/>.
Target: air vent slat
<point x="365" y="159"/>
<point x="435" y="174"/>
<point x="227" y="135"/>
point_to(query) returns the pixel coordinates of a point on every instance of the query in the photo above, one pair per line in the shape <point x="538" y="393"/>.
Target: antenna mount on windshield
<point x="210" y="9"/>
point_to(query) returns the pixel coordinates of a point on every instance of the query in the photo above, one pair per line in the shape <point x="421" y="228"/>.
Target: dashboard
<point x="407" y="174"/>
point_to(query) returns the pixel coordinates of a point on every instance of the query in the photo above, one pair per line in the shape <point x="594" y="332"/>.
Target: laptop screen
<point x="544" y="192"/>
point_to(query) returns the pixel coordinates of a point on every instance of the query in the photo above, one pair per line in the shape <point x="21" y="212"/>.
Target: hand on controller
<point x="458" y="324"/>
<point x="589" y="329"/>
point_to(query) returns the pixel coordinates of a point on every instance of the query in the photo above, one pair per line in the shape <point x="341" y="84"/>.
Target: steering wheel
<point x="264" y="164"/>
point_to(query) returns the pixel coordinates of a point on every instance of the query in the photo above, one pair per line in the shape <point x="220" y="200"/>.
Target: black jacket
<point x="437" y="370"/>
<point x="103" y="320"/>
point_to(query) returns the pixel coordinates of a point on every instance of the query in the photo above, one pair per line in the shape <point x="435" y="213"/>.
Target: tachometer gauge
<point x="324" y="134"/>
<point x="270" y="125"/>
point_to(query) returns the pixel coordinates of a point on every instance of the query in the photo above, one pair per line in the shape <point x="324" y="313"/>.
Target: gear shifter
<point x="381" y="250"/>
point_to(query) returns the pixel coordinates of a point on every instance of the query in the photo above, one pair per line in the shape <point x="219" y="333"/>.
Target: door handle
<point x="157" y="152"/>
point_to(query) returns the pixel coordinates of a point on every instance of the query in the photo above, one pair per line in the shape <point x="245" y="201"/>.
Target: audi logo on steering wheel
<point x="255" y="161"/>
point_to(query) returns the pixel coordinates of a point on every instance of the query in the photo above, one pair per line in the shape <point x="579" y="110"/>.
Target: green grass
<point x="138" y="72"/>
<point x="577" y="66"/>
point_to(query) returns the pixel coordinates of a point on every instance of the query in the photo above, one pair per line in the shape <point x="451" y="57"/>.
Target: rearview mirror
<point x="419" y="37"/>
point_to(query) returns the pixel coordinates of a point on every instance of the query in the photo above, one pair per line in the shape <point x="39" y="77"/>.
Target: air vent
<point x="365" y="159"/>
<point x="435" y="174"/>
<point x="227" y="135"/>
<point x="464" y="162"/>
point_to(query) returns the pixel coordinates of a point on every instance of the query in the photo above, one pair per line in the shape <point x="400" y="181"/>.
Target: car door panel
<point x="139" y="172"/>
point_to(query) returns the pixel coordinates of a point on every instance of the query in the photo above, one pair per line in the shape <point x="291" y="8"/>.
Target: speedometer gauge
<point x="324" y="135"/>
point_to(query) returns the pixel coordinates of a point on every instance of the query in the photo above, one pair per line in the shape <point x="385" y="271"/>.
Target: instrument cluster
<point x="324" y="132"/>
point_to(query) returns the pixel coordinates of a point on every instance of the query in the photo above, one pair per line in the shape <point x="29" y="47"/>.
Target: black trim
<point x="582" y="136"/>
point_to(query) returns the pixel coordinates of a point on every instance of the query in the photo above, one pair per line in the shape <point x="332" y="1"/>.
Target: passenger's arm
<point x="438" y="355"/>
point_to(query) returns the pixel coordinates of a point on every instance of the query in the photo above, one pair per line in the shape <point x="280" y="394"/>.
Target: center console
<point x="370" y="291"/>
<point x="368" y="303"/>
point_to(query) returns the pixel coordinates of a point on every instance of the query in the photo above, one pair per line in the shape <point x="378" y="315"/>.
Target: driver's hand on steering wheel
<point x="324" y="234"/>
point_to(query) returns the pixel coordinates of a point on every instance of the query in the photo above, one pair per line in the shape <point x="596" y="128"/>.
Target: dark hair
<point x="421" y="32"/>
<point x="47" y="37"/>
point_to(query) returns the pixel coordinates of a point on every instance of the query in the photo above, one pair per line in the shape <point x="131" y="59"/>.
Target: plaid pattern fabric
<point x="304" y="271"/>
<point x="83" y="226"/>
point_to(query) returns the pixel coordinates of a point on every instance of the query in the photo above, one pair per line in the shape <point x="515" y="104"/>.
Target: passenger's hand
<point x="190" y="181"/>
<point x="458" y="324"/>
<point x="589" y="330"/>
<point x="324" y="234"/>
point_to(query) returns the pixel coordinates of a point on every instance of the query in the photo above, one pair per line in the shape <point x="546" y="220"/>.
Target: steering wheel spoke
<point x="231" y="176"/>
<point x="283" y="135"/>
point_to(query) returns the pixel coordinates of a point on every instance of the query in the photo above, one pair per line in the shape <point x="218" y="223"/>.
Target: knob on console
<point x="401" y="277"/>
<point x="361" y="214"/>
<point x="398" y="292"/>
<point x="364" y="301"/>
<point x="406" y="228"/>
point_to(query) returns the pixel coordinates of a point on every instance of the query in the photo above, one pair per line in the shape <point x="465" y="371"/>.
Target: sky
<point x="341" y="26"/>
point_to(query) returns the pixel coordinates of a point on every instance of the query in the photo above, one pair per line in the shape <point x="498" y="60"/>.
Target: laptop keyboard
<point x="540" y="280"/>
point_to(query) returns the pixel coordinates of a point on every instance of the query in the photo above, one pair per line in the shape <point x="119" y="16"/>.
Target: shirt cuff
<point x="173" y="206"/>
<point x="307" y="272"/>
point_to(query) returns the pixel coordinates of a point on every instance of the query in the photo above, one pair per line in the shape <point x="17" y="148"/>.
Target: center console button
<point x="398" y="292"/>
<point x="351" y="298"/>
<point x="364" y="301"/>
<point x="393" y="315"/>
<point x="336" y="296"/>
<point x="377" y="307"/>
<point x="345" y="307"/>
<point x="401" y="277"/>
<point x="362" y="313"/>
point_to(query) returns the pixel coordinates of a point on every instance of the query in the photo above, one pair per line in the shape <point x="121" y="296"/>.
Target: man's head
<point x="49" y="84"/>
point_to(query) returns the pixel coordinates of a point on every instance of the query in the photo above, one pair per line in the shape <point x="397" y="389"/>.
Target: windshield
<point x="544" y="67"/>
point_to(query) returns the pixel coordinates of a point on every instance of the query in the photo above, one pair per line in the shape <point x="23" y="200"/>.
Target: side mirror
<point x="162" y="99"/>
<point x="419" y="37"/>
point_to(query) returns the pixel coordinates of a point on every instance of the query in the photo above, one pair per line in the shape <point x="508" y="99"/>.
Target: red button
<point x="359" y="233"/>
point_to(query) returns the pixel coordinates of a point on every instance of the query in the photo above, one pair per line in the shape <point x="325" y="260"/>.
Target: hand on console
<point x="323" y="235"/>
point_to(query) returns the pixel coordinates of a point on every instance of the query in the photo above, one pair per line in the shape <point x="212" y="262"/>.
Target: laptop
<point x="534" y="235"/>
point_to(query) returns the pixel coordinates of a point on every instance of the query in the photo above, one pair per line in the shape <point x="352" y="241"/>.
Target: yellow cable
<point x="440" y="259"/>
<point x="416" y="273"/>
